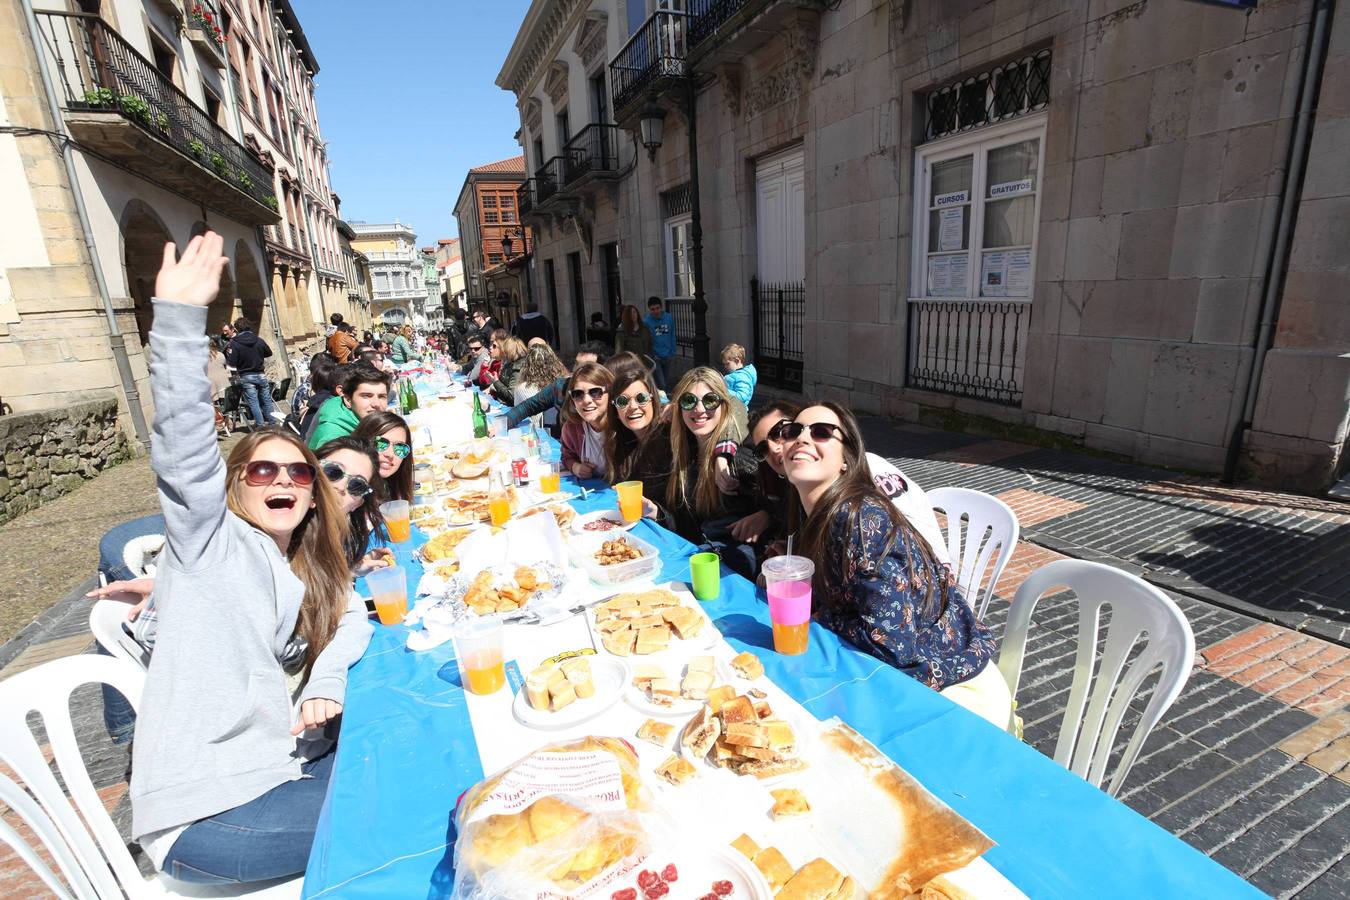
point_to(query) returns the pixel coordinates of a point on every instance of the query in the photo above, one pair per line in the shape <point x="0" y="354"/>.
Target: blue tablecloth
<point x="407" y="752"/>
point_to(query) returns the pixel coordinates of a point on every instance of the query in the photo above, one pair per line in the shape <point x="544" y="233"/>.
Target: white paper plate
<point x="699" y="865"/>
<point x="682" y="707"/>
<point x="612" y="515"/>
<point x="609" y="675"/>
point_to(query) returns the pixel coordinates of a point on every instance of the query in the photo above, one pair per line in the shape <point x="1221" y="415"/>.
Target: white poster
<point x="951" y="199"/>
<point x="1018" y="280"/>
<point x="994" y="274"/>
<point x="947" y="276"/>
<point x="1010" y="189"/>
<point x="950" y="227"/>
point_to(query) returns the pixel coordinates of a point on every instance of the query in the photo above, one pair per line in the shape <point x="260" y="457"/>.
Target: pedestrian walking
<point x="662" y="326"/>
<point x="633" y="335"/>
<point x="599" y="329"/>
<point x="245" y="354"/>
<point x="533" y="324"/>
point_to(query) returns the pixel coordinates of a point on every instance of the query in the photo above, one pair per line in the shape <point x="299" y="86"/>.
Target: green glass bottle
<point x="480" y="426"/>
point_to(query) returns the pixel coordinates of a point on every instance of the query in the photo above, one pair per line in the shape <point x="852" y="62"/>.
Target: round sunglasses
<point x="710" y="402"/>
<point x="401" y="450"/>
<point x="357" y="486"/>
<point x="820" y="431"/>
<point x="594" y="393"/>
<point x="775" y="434"/>
<point x="262" y="472"/>
<point x="641" y="398"/>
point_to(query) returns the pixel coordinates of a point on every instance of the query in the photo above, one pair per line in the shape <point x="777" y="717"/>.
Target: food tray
<point x="584" y="547"/>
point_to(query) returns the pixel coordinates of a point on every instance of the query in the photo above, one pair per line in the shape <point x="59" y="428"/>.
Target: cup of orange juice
<point x="389" y="590"/>
<point x="550" y="480"/>
<point x="396" y="519"/>
<point x="630" y="500"/>
<point x="788" y="580"/>
<point x="478" y="651"/>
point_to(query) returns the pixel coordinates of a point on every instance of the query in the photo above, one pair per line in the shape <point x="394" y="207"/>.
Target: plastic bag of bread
<point x="562" y="822"/>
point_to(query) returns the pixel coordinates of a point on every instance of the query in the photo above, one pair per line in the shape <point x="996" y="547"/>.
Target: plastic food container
<point x="584" y="547"/>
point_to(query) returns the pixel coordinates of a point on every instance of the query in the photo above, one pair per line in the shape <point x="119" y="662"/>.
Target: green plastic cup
<point x="705" y="571"/>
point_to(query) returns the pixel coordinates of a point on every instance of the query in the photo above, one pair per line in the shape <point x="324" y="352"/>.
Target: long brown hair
<point x="848" y="493"/>
<point x="597" y="375"/>
<point x="772" y="487"/>
<point x="621" y="444"/>
<point x="703" y="496"/>
<point x="637" y="319"/>
<point x="399" y="486"/>
<point x="316" y="554"/>
<point x="541" y="367"/>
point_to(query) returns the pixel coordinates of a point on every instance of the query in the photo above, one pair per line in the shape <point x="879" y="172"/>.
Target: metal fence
<point x="682" y="310"/>
<point x="655" y="51"/>
<point x="593" y="149"/>
<point x="549" y="179"/>
<point x="100" y="71"/>
<point x="971" y="348"/>
<point x="777" y="311"/>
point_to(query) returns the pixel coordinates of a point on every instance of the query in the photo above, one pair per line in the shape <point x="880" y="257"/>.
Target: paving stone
<point x="1308" y="859"/>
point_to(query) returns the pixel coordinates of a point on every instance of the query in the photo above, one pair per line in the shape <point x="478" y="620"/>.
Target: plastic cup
<point x="705" y="571"/>
<point x="389" y="590"/>
<point x="395" y="514"/>
<point x="788" y="580"/>
<point x="630" y="500"/>
<point x="550" y="481"/>
<point x="478" y="650"/>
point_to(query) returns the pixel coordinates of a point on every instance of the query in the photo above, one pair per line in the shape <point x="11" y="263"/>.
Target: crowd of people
<point x="253" y="610"/>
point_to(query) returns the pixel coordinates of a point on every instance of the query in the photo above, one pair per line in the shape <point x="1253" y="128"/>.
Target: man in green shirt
<point x="363" y="390"/>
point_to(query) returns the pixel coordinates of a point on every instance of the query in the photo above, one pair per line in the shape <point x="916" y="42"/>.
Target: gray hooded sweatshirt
<point x="213" y="731"/>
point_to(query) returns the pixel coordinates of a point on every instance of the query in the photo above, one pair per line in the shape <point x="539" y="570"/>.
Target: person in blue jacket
<point x="662" y="326"/>
<point x="741" y="378"/>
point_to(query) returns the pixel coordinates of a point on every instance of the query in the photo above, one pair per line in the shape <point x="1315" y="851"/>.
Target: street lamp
<point x="506" y="245"/>
<point x="652" y="126"/>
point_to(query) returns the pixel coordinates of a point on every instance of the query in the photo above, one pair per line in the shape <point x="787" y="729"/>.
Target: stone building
<point x="450" y="266"/>
<point x="494" y="245"/>
<point x="398" y="289"/>
<point x="1114" y="223"/>
<point x="356" y="269"/>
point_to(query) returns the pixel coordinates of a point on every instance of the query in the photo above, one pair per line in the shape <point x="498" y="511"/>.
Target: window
<point x="490" y="218"/>
<point x="165" y="61"/>
<point x="213" y="106"/>
<point x="381" y="280"/>
<point x="976" y="199"/>
<point x="489" y="201"/>
<point x="564" y="129"/>
<point x="538" y="153"/>
<point x="494" y="258"/>
<point x="679" y="275"/>
<point x="508" y="216"/>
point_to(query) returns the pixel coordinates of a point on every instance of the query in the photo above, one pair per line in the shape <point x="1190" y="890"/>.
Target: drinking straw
<point x="789" y="546"/>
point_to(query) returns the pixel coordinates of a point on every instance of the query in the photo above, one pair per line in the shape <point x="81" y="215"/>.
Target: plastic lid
<point x="787" y="568"/>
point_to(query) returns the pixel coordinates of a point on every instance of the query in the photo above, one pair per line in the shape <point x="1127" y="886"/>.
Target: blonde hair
<point x="703" y="496"/>
<point x="511" y="348"/>
<point x="316" y="553"/>
<point x="733" y="353"/>
<point x="542" y="366"/>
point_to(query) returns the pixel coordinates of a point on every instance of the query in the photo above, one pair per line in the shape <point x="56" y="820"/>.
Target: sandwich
<point x="578" y="672"/>
<point x="654" y="732"/>
<point x="675" y="770"/>
<point x="817" y="880"/>
<point x="774" y="867"/>
<point x="746" y="845"/>
<point x="701" y="734"/>
<point x="748" y="666"/>
<point x="788" y="802"/>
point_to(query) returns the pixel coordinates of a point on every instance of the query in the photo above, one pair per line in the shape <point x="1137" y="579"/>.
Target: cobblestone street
<point x="1251" y="763"/>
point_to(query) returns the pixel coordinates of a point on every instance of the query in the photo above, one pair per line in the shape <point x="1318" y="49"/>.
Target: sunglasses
<point x="820" y="431"/>
<point x="594" y="393"/>
<point x="401" y="450"/>
<point x="263" y="471"/>
<point x="775" y="434"/>
<point x="710" y="402"/>
<point x="642" y="398"/>
<point x="357" y="486"/>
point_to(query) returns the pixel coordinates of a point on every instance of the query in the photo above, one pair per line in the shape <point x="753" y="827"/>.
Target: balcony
<point x="592" y="155"/>
<point x="549" y="181"/>
<point x="201" y="22"/>
<point x="651" y="61"/>
<point x="725" y="30"/>
<point x="525" y="198"/>
<point x="118" y="104"/>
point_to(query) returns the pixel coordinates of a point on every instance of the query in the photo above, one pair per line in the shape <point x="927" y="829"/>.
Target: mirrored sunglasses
<point x="357" y="486"/>
<point x="710" y="402"/>
<point x="401" y="450"/>
<point x="642" y="398"/>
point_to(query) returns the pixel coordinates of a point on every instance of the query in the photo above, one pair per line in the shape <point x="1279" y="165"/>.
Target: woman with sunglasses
<point x="488" y="373"/>
<point x="878" y="584"/>
<point x="351" y="466"/>
<point x="585" y="419"/>
<point x="764" y="526"/>
<point x="392" y="439"/>
<point x="637" y="443"/>
<point x="252" y="582"/>
<point x="512" y="355"/>
<point x="709" y="485"/>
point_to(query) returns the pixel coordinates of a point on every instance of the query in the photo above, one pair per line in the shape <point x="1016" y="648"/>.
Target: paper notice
<point x="994" y="274"/>
<point x="1018" y="280"/>
<point x="947" y="276"/>
<point x="950" y="228"/>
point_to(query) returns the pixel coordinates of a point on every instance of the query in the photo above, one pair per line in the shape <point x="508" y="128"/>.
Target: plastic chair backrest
<point x="971" y="516"/>
<point x="105" y="621"/>
<point x="46" y="690"/>
<point x="1101" y="688"/>
<point x="45" y="830"/>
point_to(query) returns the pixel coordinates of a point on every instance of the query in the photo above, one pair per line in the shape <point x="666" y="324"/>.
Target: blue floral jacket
<point x="880" y="608"/>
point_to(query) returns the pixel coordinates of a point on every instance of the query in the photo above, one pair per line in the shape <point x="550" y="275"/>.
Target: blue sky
<point x="407" y="101"/>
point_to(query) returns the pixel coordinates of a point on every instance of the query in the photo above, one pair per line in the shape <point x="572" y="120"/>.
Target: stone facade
<point x="47" y="453"/>
<point x="1159" y="182"/>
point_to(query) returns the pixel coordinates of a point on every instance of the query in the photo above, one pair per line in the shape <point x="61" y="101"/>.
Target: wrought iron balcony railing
<point x="100" y="73"/>
<point x="550" y="179"/>
<point x="525" y="197"/>
<point x="971" y="348"/>
<point x="594" y="150"/>
<point x="654" y="53"/>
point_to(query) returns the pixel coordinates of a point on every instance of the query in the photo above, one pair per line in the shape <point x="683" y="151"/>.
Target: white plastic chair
<point x="1137" y="609"/>
<point x="45" y="830"/>
<point x="106" y="620"/>
<point x="98" y="848"/>
<point x="971" y="516"/>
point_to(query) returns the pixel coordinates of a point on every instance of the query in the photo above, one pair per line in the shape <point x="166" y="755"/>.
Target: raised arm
<point x="189" y="473"/>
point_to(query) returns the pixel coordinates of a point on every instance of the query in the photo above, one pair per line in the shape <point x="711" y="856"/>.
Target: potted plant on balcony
<point x="99" y="97"/>
<point x="200" y="18"/>
<point x="218" y="163"/>
<point x="245" y="182"/>
<point x="271" y="201"/>
<point x="196" y="148"/>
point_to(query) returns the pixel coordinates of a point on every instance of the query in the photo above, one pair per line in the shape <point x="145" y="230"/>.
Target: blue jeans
<point x="258" y="394"/>
<point x="662" y="372"/>
<point x="266" y="838"/>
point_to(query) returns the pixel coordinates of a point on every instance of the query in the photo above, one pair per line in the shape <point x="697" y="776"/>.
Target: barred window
<point x="997" y="95"/>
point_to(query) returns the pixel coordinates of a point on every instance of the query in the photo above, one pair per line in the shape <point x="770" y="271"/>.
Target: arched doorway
<point x="249" y="286"/>
<point x="144" y="235"/>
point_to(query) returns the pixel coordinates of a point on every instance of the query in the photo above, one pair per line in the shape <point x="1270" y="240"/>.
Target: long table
<point x="408" y="751"/>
